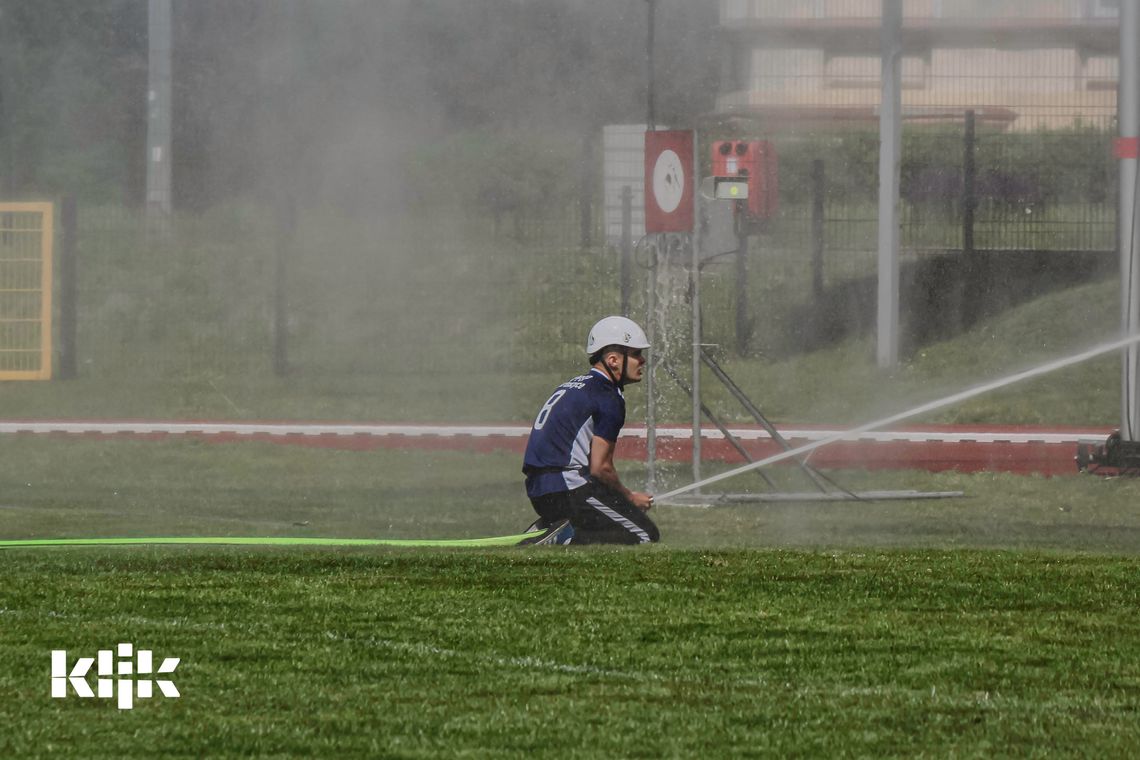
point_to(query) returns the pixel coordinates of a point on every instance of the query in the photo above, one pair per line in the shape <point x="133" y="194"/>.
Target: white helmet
<point x="615" y="331"/>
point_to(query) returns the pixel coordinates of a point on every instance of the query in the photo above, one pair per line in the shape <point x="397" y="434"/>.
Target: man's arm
<point x="602" y="468"/>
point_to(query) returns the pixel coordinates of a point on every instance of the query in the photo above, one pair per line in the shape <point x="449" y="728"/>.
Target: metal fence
<point x="201" y="296"/>
<point x="454" y="292"/>
<point x="174" y="301"/>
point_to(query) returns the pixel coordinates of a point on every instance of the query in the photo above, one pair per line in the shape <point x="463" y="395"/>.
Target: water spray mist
<point x="930" y="406"/>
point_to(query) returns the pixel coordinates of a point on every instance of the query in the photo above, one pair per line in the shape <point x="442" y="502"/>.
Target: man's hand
<point x="642" y="501"/>
<point x="602" y="468"/>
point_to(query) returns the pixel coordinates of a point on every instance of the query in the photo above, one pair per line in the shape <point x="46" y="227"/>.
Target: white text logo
<point x="124" y="686"/>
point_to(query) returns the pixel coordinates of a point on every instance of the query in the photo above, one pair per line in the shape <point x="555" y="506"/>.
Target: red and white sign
<point x="669" y="177"/>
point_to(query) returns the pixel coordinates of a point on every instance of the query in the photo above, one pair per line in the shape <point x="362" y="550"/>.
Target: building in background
<point x="1019" y="64"/>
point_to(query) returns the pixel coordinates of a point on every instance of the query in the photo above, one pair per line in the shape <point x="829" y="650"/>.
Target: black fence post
<point x="973" y="267"/>
<point x="286" y="227"/>
<point x="743" y="321"/>
<point x="68" y="288"/>
<point x="626" y="246"/>
<point x="817" y="192"/>
<point x="969" y="175"/>
<point x="586" y="195"/>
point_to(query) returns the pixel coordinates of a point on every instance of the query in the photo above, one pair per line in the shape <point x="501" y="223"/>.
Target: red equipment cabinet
<point x="756" y="160"/>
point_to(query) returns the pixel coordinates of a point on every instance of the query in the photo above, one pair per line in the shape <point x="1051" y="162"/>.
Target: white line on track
<point x="416" y="648"/>
<point x="145" y="427"/>
<point x="529" y="662"/>
<point x="142" y="427"/>
<point x="526" y="663"/>
<point x="419" y="648"/>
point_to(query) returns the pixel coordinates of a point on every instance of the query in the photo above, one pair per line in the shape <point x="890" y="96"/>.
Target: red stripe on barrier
<point x="933" y="454"/>
<point x="1126" y="147"/>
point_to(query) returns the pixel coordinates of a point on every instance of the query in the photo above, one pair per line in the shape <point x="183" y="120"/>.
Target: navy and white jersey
<point x="558" y="450"/>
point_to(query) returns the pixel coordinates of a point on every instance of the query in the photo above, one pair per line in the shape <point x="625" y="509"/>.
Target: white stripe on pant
<point x="622" y="521"/>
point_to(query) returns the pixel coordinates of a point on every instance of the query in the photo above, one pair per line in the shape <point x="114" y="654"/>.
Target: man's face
<point x="635" y="366"/>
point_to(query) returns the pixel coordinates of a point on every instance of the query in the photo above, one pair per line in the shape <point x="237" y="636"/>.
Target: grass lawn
<point x="1001" y="623"/>
<point x="590" y="653"/>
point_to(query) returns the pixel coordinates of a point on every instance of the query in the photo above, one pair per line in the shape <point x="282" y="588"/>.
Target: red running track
<point x="1017" y="449"/>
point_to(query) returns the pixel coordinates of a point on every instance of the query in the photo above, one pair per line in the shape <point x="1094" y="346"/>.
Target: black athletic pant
<point x="599" y="515"/>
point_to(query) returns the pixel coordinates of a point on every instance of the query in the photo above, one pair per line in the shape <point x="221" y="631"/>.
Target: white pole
<point x="696" y="303"/>
<point x="1128" y="105"/>
<point x="651" y="370"/>
<point x="890" y="147"/>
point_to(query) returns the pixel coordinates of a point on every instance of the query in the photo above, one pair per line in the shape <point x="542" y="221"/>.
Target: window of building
<point x="854" y="72"/>
<point x="1099" y="72"/>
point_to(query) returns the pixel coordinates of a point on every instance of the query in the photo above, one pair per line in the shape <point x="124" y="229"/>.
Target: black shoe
<point x="561" y="533"/>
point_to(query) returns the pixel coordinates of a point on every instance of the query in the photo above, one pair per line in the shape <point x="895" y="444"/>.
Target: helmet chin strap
<point x="619" y="381"/>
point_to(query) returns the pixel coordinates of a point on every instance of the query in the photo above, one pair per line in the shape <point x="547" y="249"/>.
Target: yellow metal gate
<point x="25" y="290"/>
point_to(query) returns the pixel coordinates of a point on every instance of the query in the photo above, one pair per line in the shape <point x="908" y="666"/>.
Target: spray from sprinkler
<point x="957" y="398"/>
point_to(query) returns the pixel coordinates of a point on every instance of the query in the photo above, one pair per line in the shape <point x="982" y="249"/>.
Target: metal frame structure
<point x="890" y="129"/>
<point x="24" y="277"/>
<point x="825" y="489"/>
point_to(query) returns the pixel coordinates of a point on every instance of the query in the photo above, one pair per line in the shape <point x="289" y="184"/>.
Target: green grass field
<point x="998" y="624"/>
<point x="584" y="653"/>
<point x="1001" y="623"/>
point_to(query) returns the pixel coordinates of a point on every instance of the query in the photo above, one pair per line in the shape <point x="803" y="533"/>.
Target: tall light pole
<point x="1128" y="109"/>
<point x="890" y="148"/>
<point x="651" y="294"/>
<point x="158" y="108"/>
